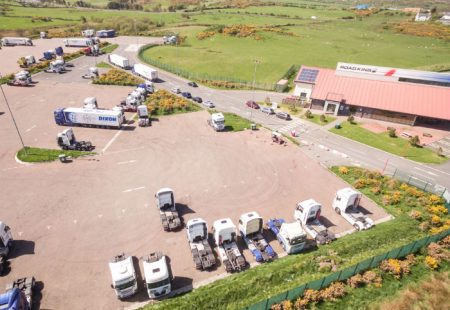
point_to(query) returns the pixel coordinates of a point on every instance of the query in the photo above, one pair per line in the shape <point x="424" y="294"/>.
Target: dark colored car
<point x="192" y="84"/>
<point x="284" y="115"/>
<point x="186" y="95"/>
<point x="197" y="99"/>
<point x="252" y="104"/>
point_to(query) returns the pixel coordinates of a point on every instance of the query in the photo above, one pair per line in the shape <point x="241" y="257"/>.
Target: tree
<point x="351" y="119"/>
<point x="414" y="141"/>
<point x="392" y="133"/>
<point x="322" y="118"/>
<point x="308" y="114"/>
<point x="83" y="19"/>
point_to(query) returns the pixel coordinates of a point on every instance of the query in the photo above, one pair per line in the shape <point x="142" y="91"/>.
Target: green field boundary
<point x="348" y="272"/>
<point x="202" y="77"/>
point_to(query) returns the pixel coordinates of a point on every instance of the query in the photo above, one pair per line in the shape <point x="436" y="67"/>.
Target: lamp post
<point x="256" y="62"/>
<point x="14" y="120"/>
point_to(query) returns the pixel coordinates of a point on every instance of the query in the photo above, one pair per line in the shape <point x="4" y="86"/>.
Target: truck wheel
<point x="338" y="211"/>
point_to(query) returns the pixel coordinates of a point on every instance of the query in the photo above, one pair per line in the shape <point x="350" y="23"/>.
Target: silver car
<point x="208" y="104"/>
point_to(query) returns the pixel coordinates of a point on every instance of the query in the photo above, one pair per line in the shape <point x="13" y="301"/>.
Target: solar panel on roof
<point x="308" y="75"/>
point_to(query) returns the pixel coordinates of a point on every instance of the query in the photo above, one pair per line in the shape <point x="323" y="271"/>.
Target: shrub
<point x="392" y="133"/>
<point x="118" y="77"/>
<point x="311" y="295"/>
<point x="414" y="141"/>
<point x="438" y="252"/>
<point x="434" y="199"/>
<point x="308" y="114"/>
<point x="417" y="215"/>
<point x="351" y="119"/>
<point x="431" y="262"/>
<point x="360" y="183"/>
<point x="287" y="305"/>
<point x="300" y="303"/>
<point x="276" y="307"/>
<point x="437" y="210"/>
<point x="396" y="267"/>
<point x="343" y="170"/>
<point x="436" y="220"/>
<point x="355" y="281"/>
<point x="334" y="291"/>
<point x="322" y="118"/>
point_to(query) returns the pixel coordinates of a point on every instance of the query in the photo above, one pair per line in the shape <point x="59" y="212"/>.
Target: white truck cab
<point x="123" y="275"/>
<point x="292" y="237"/>
<point x="157" y="277"/>
<point x="217" y="121"/>
<point x="5" y="239"/>
<point x="90" y="103"/>
<point x="307" y="213"/>
<point x="346" y="203"/>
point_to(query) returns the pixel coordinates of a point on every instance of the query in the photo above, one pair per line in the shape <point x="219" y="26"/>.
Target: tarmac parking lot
<point x="68" y="220"/>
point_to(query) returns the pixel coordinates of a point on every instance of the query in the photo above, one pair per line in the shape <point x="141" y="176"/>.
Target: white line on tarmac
<point x="423" y="170"/>
<point x="127" y="150"/>
<point x="127" y="162"/>
<point x="422" y="175"/>
<point x="29" y="129"/>
<point x="133" y="189"/>
<point x="115" y="137"/>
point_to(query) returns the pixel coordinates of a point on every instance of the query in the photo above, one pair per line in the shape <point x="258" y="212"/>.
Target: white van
<point x="267" y="110"/>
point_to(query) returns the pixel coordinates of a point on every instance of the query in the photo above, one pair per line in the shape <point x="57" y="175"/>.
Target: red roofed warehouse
<point x="396" y="95"/>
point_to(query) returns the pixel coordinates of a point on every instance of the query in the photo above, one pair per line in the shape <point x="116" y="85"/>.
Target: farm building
<point x="396" y="95"/>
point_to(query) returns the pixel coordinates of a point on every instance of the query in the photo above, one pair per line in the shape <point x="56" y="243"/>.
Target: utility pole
<point x="14" y="120"/>
<point x="256" y="62"/>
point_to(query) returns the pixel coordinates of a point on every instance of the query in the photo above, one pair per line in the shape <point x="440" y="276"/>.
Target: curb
<point x="22" y="162"/>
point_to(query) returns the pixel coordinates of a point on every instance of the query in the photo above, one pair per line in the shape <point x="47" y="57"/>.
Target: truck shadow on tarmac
<point x="22" y="247"/>
<point x="179" y="282"/>
<point x="364" y="210"/>
<point x="141" y="294"/>
<point x="326" y="222"/>
<point x="37" y="295"/>
<point x="183" y="209"/>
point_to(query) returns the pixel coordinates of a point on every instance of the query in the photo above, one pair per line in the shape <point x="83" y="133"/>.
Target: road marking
<point x="356" y="164"/>
<point x="133" y="189"/>
<point x="111" y="141"/>
<point x="75" y="221"/>
<point x="127" y="162"/>
<point x="304" y="142"/>
<point x="29" y="129"/>
<point x="127" y="150"/>
<point x="6" y="169"/>
<point x="99" y="216"/>
<point x="49" y="226"/>
<point x="20" y="233"/>
<point x="422" y="175"/>
<point x="423" y="170"/>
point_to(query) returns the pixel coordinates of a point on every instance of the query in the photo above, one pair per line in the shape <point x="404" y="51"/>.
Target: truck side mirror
<point x="112" y="286"/>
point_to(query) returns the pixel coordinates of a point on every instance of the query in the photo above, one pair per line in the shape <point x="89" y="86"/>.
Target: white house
<point x="423" y="17"/>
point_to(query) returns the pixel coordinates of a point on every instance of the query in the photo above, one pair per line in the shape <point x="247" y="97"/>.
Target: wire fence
<point x="348" y="272"/>
<point x="225" y="81"/>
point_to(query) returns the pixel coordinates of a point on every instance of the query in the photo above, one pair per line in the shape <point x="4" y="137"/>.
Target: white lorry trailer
<point x="346" y="203"/>
<point x="251" y="228"/>
<point x="291" y="236"/>
<point x="217" y="121"/>
<point x="157" y="277"/>
<point x="225" y="237"/>
<point x="307" y="213"/>
<point x="12" y="41"/>
<point x="119" y="61"/>
<point x="78" y="42"/>
<point x="123" y="276"/>
<point x="6" y="243"/>
<point x="145" y="72"/>
<point x="88" y="117"/>
<point x="197" y="235"/>
<point x="165" y="202"/>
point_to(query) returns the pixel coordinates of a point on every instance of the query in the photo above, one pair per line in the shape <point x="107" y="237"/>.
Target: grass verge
<point x="37" y="155"/>
<point x="382" y="141"/>
<point x="235" y="122"/>
<point x="103" y="65"/>
<point x="110" y="48"/>
<point x="163" y="103"/>
<point x="315" y="118"/>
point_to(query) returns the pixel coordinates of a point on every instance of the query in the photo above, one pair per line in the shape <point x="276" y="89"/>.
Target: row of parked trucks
<point x="14" y="41"/>
<point x="19" y="293"/>
<point x="291" y="236"/>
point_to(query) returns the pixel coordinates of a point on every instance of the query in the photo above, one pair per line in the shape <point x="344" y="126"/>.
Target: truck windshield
<point x="220" y="122"/>
<point x="126" y="284"/>
<point x="158" y="284"/>
<point x="297" y="240"/>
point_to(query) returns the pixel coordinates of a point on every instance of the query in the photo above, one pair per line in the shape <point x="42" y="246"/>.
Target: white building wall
<point x="303" y="88"/>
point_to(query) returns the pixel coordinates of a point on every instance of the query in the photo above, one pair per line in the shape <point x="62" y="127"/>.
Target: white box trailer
<point x="88" y="117"/>
<point x="145" y="72"/>
<point x="88" y="33"/>
<point x="12" y="41"/>
<point x="78" y="42"/>
<point x="119" y="61"/>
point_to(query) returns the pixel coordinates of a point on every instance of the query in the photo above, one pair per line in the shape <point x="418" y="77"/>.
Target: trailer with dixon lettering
<point x="88" y="117"/>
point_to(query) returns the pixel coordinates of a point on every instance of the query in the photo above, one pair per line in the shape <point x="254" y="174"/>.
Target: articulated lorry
<point x="78" y="42"/>
<point x="123" y="276"/>
<point x="66" y="140"/>
<point x="346" y="203"/>
<point x="157" y="277"/>
<point x="202" y="253"/>
<point x="119" y="61"/>
<point x="110" y="33"/>
<point x="308" y="214"/>
<point x="291" y="236"/>
<point x="225" y="237"/>
<point x="11" y="41"/>
<point x="251" y="228"/>
<point x="145" y="72"/>
<point x="88" y="117"/>
<point x="165" y="202"/>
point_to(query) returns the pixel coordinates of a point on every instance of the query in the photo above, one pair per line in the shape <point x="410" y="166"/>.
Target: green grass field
<point x="315" y="118"/>
<point x="382" y="141"/>
<point x="319" y="43"/>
